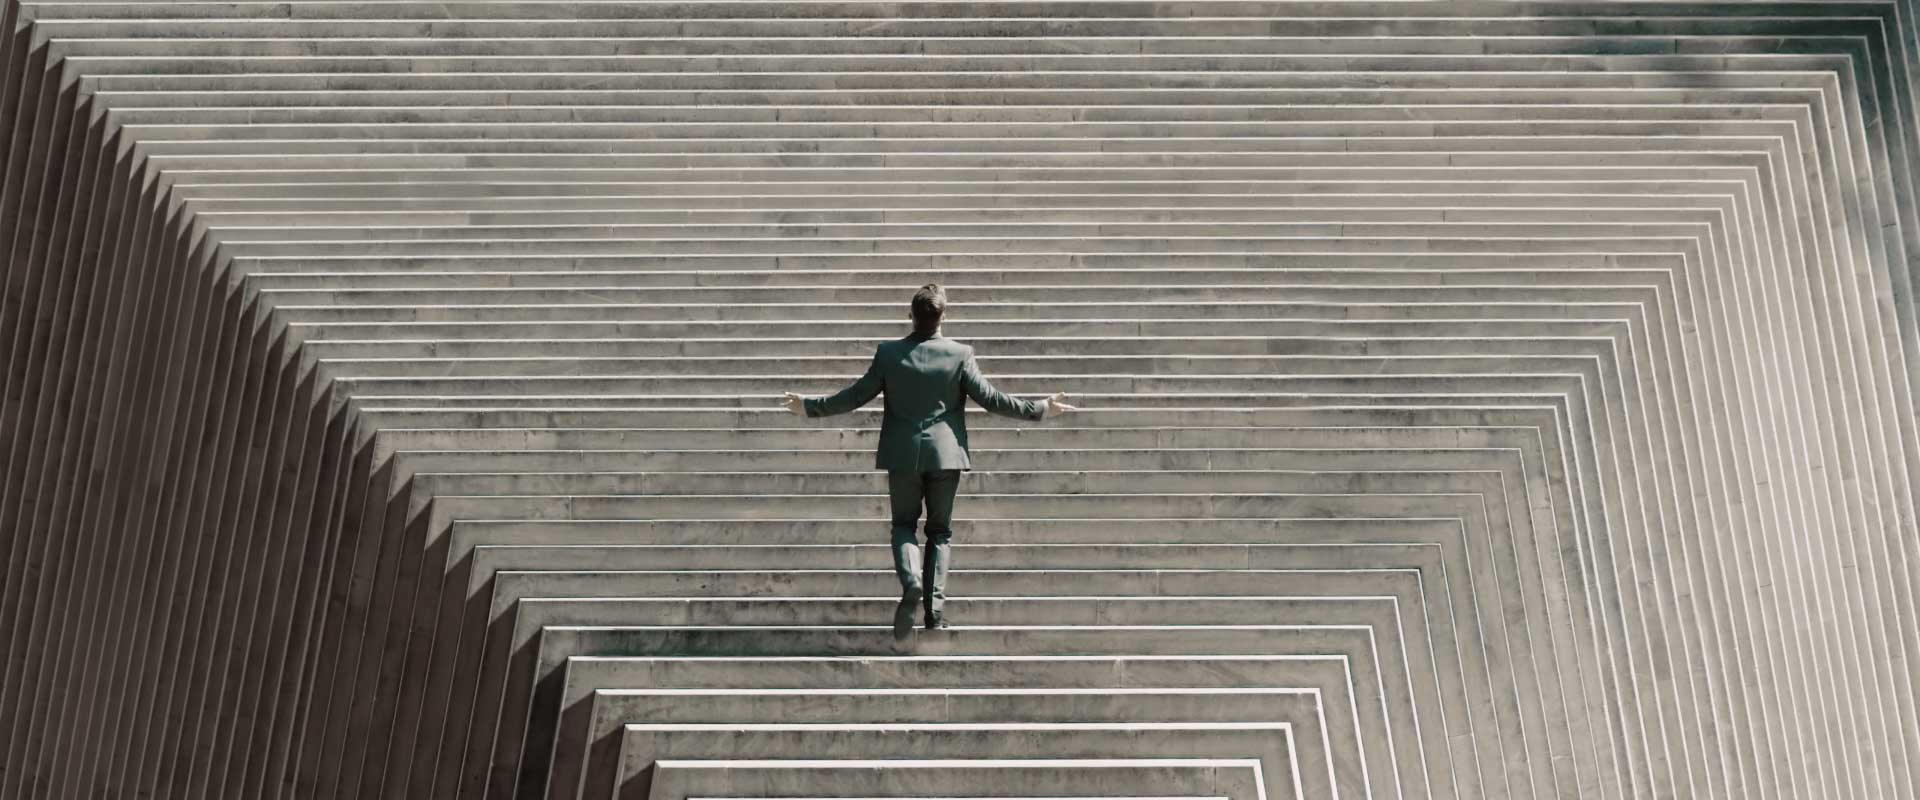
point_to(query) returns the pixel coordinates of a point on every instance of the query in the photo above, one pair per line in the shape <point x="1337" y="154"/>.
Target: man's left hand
<point x="795" y="403"/>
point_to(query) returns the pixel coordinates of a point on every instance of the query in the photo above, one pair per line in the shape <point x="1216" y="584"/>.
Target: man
<point x="923" y="441"/>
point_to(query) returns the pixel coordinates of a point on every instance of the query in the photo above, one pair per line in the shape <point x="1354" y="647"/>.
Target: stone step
<point x="873" y="506"/>
<point x="1014" y="215"/>
<point x="1011" y="213"/>
<point x="1301" y="38"/>
<point x="956" y="156"/>
<point x="1506" y="162"/>
<point x="1467" y="303"/>
<point x="1173" y="554"/>
<point x="820" y="93"/>
<point x="671" y="281"/>
<point x="962" y="212"/>
<point x="96" y="9"/>
<point x="1026" y="598"/>
<point x="933" y="123"/>
<point x="738" y="487"/>
<point x="1609" y="126"/>
<point x="1521" y="395"/>
<point x="1306" y="357"/>
<point x="1093" y="394"/>
<point x="782" y="33"/>
<point x="1145" y="295"/>
<point x="1122" y="303"/>
<point x="1185" y="408"/>
<point x="1238" y="779"/>
<point x="993" y="336"/>
<point x="1545" y="64"/>
<point x="856" y="460"/>
<point x="717" y="21"/>
<point x="1174" y="397"/>
<point x="865" y="480"/>
<point x="1200" y="429"/>
<point x="399" y="342"/>
<point x="1045" y="76"/>
<point x="734" y="424"/>
<point x="1253" y="238"/>
<point x="1214" y="170"/>
<point x="1489" y="168"/>
<point x="1465" y="128"/>
<point x="976" y="798"/>
<point x="1050" y="266"/>
<point x="431" y="428"/>
<point x="1280" y="166"/>
<point x="899" y="707"/>
<point x="1296" y="326"/>
<point x="587" y="675"/>
<point x="1467" y="391"/>
<point x="1302" y="336"/>
<point x="752" y="171"/>
<point x="510" y="359"/>
<point x="1668" y="223"/>
<point x="1377" y="267"/>
<point x="1495" y="171"/>
<point x="980" y="532"/>
<point x="1102" y="382"/>
<point x="1737" y="65"/>
<point x="1381" y="14"/>
<point x="521" y="429"/>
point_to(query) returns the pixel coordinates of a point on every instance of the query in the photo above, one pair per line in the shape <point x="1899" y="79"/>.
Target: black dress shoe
<point x="903" y="616"/>
<point x="936" y="621"/>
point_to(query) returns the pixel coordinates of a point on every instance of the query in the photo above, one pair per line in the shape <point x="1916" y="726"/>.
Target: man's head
<point x="929" y="305"/>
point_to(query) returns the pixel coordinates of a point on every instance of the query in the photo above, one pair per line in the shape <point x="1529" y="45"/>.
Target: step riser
<point x="1276" y="750"/>
<point x="672" y="781"/>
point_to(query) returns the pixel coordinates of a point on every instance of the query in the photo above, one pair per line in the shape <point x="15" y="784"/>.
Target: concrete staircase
<point x="1480" y="399"/>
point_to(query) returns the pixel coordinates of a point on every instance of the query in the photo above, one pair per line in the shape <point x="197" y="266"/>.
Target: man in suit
<point x="923" y="441"/>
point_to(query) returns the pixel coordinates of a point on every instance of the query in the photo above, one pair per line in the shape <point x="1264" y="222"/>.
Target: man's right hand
<point x="1055" y="405"/>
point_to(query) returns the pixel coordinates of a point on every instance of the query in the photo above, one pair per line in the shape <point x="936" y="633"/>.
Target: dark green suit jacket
<point x="927" y="380"/>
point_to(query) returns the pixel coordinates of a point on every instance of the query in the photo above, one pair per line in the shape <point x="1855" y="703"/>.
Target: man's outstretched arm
<point x="994" y="400"/>
<point x="854" y="396"/>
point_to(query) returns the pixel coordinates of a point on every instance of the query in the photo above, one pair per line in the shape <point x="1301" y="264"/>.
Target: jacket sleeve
<point x="850" y="398"/>
<point x="993" y="400"/>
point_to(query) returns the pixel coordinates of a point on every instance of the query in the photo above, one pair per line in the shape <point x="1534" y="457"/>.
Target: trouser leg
<point x="904" y="489"/>
<point x="940" y="488"/>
